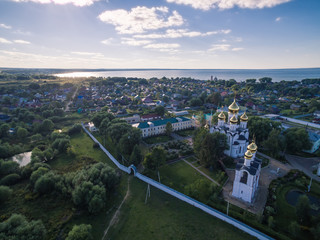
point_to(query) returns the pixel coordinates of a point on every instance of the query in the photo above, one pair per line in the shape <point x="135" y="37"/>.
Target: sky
<point x="176" y="34"/>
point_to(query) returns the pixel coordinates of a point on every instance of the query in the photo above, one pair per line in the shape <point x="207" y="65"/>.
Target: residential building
<point x="157" y="127"/>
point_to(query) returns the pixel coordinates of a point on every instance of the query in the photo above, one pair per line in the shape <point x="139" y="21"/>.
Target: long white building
<point x="158" y="127"/>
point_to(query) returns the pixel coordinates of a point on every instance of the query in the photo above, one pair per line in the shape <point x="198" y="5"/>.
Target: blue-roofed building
<point x="157" y="127"/>
<point x="315" y="141"/>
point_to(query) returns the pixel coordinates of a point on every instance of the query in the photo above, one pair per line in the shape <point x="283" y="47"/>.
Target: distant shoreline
<point x="288" y="74"/>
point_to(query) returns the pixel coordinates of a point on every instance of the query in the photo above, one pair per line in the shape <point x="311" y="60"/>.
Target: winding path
<point x="115" y="217"/>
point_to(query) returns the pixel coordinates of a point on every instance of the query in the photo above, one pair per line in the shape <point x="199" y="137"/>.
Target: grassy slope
<point x="178" y="175"/>
<point x="165" y="217"/>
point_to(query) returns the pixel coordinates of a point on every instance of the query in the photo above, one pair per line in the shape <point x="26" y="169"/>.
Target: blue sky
<point x="229" y="34"/>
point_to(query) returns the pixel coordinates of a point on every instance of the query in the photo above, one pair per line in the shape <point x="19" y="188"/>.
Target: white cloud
<point x="21" y="42"/>
<point x="140" y="19"/>
<point x="220" y="47"/>
<point x="90" y="54"/>
<point x="164" y="47"/>
<point x="226" y="4"/>
<point x="2" y="25"/>
<point x="107" y="41"/>
<point x="278" y="19"/>
<point x="134" y="42"/>
<point x="5" y="41"/>
<point x="178" y="33"/>
<point x="78" y="3"/>
<point x="237" y="49"/>
<point x="224" y="47"/>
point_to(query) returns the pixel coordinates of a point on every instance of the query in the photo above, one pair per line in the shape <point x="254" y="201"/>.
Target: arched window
<point x="244" y="177"/>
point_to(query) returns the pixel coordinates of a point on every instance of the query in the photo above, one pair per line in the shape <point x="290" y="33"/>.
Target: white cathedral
<point x="248" y="169"/>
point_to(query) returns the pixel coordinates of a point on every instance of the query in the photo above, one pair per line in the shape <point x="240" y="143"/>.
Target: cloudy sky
<point x="229" y="34"/>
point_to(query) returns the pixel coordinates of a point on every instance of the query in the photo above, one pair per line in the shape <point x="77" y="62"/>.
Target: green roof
<point x="162" y="122"/>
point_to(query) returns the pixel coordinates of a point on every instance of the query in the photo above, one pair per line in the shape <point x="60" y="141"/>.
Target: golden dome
<point x="222" y="116"/>
<point x="248" y="154"/>
<point x="244" y="117"/>
<point x="234" y="120"/>
<point x="234" y="107"/>
<point x="252" y="147"/>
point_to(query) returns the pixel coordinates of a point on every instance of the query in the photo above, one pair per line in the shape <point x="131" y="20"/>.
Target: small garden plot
<point x="157" y="139"/>
<point x="186" y="133"/>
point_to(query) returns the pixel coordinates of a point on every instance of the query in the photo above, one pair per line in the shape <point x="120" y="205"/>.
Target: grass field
<point x="165" y="217"/>
<point x="179" y="175"/>
<point x="85" y="154"/>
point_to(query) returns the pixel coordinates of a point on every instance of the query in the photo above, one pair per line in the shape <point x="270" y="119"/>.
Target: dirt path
<point x="202" y="173"/>
<point x="116" y="215"/>
<point x="71" y="100"/>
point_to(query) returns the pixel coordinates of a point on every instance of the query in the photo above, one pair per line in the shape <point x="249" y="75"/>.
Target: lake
<point x="23" y="158"/>
<point x="202" y="74"/>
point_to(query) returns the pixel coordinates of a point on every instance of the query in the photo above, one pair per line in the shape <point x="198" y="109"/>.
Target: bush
<point x="96" y="145"/>
<point x="5" y="193"/>
<point x="80" y="232"/>
<point x="10" y="179"/>
<point x="76" y="128"/>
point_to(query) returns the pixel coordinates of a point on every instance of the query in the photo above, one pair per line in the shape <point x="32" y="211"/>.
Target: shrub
<point x="76" y="128"/>
<point x="10" y="179"/>
<point x="5" y="193"/>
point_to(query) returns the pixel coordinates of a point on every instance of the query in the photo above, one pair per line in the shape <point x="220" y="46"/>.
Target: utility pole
<point x="228" y="208"/>
<point x="147" y="194"/>
<point x="309" y="186"/>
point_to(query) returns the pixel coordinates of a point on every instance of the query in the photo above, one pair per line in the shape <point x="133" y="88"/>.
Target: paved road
<point x="305" y="165"/>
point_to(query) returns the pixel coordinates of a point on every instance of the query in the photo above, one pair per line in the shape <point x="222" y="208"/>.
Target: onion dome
<point x="221" y="116"/>
<point x="234" y="108"/>
<point x="234" y="119"/>
<point x="244" y="117"/>
<point x="248" y="154"/>
<point x="252" y="147"/>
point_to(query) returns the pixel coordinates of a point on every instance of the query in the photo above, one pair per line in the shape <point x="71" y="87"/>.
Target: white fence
<point x="181" y="196"/>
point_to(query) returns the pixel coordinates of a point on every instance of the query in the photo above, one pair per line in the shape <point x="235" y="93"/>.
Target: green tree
<point x="155" y="159"/>
<point x="169" y="128"/>
<point x="80" y="232"/>
<point x="261" y="128"/>
<point x="22" y="133"/>
<point x="159" y="110"/>
<point x="136" y="156"/>
<point x="275" y="143"/>
<point x="303" y="210"/>
<point x="297" y="139"/>
<point x="5" y="193"/>
<point x="212" y="148"/>
<point x="294" y="229"/>
<point x="17" y="227"/>
<point x="129" y="140"/>
<point x="4" y="130"/>
<point x="47" y="125"/>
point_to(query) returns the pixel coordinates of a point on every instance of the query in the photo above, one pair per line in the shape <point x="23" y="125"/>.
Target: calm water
<point x="292" y="198"/>
<point x="23" y="158"/>
<point x="205" y="74"/>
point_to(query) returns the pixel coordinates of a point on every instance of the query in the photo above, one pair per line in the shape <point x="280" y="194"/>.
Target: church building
<point x="248" y="169"/>
<point x="237" y="134"/>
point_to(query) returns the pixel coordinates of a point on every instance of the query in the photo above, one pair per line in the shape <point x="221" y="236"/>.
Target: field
<point x="165" y="217"/>
<point x="157" y="139"/>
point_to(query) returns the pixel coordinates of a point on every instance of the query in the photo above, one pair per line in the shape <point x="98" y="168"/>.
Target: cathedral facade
<point x="248" y="168"/>
<point x="237" y="134"/>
